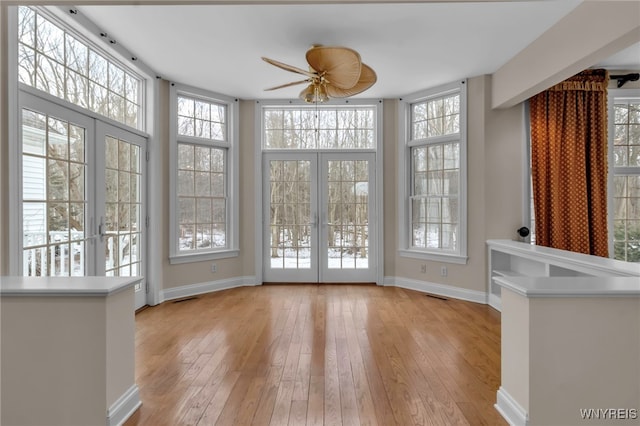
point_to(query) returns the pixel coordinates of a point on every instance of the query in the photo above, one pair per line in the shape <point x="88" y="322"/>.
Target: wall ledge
<point x="124" y="407"/>
<point x="509" y="408"/>
<point x="438" y="289"/>
<point x="206" y="287"/>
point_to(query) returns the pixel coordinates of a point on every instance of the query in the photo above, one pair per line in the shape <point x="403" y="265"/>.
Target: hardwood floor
<point x="317" y="355"/>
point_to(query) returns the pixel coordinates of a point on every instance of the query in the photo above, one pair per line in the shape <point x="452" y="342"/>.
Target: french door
<point x="318" y="217"/>
<point x="120" y="211"/>
<point x="82" y="195"/>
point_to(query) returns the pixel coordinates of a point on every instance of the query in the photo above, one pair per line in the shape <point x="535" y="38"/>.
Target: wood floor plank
<point x="236" y="398"/>
<point x="268" y="397"/>
<point x="282" y="405"/>
<point x="366" y="408"/>
<point x="332" y="404"/>
<point x="298" y="413"/>
<point x="315" y="405"/>
<point x="317" y="355"/>
<point x="249" y="405"/>
<point x="219" y="400"/>
<point x="303" y="374"/>
<point x="399" y="396"/>
<point x="319" y="335"/>
<point x="348" y="400"/>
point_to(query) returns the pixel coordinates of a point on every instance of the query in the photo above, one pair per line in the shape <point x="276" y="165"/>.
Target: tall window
<point x="52" y="59"/>
<point x="434" y="162"/>
<point x="626" y="179"/>
<point x="203" y="217"/>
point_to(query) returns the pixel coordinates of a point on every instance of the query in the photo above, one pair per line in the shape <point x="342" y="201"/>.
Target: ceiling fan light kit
<point x="334" y="72"/>
<point x="314" y="93"/>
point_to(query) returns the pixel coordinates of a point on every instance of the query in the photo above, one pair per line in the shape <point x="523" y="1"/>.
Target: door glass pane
<point x="53" y="196"/>
<point x="123" y="207"/>
<point x="348" y="214"/>
<point x="290" y="213"/>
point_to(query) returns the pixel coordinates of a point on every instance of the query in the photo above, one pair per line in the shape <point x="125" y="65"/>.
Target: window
<point x="205" y="207"/>
<point x="624" y="176"/>
<point x="55" y="61"/>
<point x="78" y="172"/>
<point x="433" y="159"/>
<point x="319" y="127"/>
<point x="625" y="147"/>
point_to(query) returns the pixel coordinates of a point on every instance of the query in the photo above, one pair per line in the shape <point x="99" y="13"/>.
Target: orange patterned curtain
<point x="569" y="163"/>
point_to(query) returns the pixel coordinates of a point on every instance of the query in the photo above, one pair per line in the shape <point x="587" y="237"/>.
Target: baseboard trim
<point x="495" y="302"/>
<point x="206" y="287"/>
<point x="423" y="286"/>
<point x="124" y="407"/>
<point x="510" y="410"/>
<point x="438" y="289"/>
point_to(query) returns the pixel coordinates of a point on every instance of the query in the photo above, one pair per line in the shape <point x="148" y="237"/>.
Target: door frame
<point x="259" y="152"/>
<point x="319" y="159"/>
<point x="102" y="130"/>
<point x="28" y="98"/>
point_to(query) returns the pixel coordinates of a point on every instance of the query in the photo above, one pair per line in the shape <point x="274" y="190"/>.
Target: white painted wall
<point x="561" y="355"/>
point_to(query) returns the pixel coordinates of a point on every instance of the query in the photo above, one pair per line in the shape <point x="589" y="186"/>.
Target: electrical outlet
<point x="423" y="268"/>
<point x="214" y="268"/>
<point x="443" y="271"/>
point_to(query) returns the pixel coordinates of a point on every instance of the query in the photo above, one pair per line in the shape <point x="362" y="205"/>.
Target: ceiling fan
<point x="334" y="72"/>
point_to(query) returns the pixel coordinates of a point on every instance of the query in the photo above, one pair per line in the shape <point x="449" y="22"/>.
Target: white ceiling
<point x="411" y="46"/>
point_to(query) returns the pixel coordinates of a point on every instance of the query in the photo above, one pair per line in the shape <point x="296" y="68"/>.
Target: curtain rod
<point x="623" y="78"/>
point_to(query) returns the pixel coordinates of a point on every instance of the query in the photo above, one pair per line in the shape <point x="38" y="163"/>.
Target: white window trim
<point x="233" y="196"/>
<point x="612" y="95"/>
<point x="404" y="175"/>
<point x="15" y="157"/>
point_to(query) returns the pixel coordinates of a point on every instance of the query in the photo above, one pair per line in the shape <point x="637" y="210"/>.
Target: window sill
<point x="199" y="257"/>
<point x="438" y="257"/>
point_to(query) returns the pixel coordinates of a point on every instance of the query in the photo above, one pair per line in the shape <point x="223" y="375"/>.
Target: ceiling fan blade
<point x="341" y="66"/>
<point x="367" y="79"/>
<point x="290" y="68"/>
<point x="293" y="83"/>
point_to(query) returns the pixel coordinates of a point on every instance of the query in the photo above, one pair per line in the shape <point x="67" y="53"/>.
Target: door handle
<point x="100" y="231"/>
